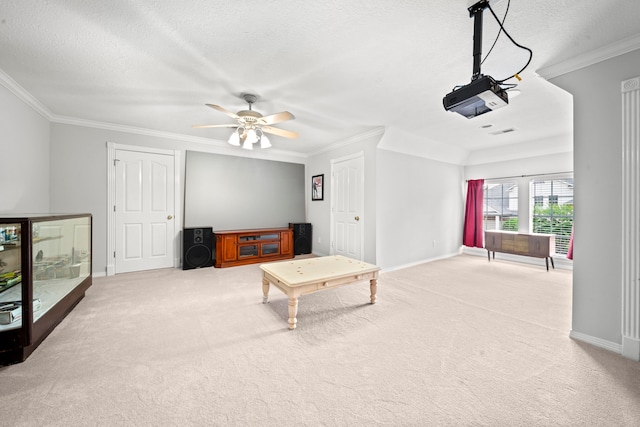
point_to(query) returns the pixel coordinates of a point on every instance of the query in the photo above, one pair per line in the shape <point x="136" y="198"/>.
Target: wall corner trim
<point x="630" y="215"/>
<point x="631" y="348"/>
<point x="598" y="342"/>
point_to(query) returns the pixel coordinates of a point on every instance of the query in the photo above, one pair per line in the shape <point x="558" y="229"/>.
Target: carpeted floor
<point x="459" y="341"/>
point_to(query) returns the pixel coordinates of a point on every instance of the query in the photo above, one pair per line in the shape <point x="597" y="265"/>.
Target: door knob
<point x="357" y="218"/>
<point x="170" y="217"/>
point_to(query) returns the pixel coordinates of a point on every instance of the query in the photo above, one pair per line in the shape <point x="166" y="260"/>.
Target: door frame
<point x="332" y="250"/>
<point x="111" y="199"/>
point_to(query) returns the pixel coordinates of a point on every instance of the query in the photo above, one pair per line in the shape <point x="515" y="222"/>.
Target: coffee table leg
<point x="374" y="289"/>
<point x="265" y="291"/>
<point x="293" y="311"/>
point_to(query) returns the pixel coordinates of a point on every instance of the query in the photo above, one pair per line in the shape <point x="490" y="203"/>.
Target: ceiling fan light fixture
<point x="252" y="136"/>
<point x="249" y="128"/>
<point x="234" y="139"/>
<point x="264" y="141"/>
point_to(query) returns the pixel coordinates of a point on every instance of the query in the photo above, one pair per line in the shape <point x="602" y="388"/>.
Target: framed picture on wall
<point x="317" y="193"/>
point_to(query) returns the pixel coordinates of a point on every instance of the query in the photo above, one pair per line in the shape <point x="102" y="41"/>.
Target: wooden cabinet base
<point x="242" y="247"/>
<point x="43" y="327"/>
<point x="533" y="245"/>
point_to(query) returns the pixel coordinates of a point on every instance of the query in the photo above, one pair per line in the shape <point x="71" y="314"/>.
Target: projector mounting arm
<point x="475" y="12"/>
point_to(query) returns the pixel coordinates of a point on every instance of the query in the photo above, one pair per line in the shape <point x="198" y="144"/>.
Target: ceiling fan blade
<point x="276" y="118"/>
<point x="279" y="132"/>
<point x="235" y="125"/>
<point x="222" y="110"/>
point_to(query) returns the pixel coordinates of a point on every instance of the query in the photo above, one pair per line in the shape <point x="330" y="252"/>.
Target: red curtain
<point x="472" y="232"/>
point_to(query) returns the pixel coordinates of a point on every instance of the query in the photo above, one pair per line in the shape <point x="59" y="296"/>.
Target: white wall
<point x="420" y="209"/>
<point x="597" y="298"/>
<point x="24" y="156"/>
<point x="410" y="201"/>
<point x="553" y="163"/>
<point x="319" y="211"/>
<point x="513" y="153"/>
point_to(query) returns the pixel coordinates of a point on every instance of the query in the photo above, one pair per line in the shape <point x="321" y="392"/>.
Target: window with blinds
<point x="552" y="210"/>
<point x="501" y="206"/>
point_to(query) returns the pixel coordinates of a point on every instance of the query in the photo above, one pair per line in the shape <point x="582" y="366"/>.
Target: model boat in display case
<point x="45" y="269"/>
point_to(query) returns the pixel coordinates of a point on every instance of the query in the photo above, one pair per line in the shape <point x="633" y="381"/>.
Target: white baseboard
<point x="400" y="267"/>
<point x="598" y="342"/>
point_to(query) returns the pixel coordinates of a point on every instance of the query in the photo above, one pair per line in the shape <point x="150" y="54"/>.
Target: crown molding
<point x="22" y="94"/>
<point x="351" y="140"/>
<point x="209" y="142"/>
<point x="400" y="141"/>
<point x="598" y="55"/>
<point x="28" y="99"/>
<point x="130" y="129"/>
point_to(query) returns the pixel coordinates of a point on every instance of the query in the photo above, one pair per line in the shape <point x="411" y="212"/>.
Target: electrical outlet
<point x="319" y="239"/>
<point x="434" y="243"/>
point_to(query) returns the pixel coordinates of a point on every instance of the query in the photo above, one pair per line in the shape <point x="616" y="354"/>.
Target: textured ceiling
<point x="342" y="68"/>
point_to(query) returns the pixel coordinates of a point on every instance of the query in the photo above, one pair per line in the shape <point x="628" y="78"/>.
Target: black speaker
<point x="197" y="247"/>
<point x="301" y="238"/>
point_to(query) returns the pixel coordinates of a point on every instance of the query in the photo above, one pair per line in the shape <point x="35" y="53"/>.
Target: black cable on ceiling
<point x="502" y="29"/>
<point x="504" y="18"/>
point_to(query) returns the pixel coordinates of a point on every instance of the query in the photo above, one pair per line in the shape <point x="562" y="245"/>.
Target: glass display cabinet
<point x="45" y="269"/>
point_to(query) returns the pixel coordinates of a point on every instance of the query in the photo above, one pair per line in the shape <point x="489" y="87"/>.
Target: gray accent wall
<point x="231" y="193"/>
<point x="597" y="266"/>
<point x="24" y="144"/>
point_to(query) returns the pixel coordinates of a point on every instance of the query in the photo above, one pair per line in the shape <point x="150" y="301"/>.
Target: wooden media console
<point x="242" y="247"/>
<point x="533" y="245"/>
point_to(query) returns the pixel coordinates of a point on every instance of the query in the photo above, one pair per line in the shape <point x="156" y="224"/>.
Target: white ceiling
<point x="343" y="68"/>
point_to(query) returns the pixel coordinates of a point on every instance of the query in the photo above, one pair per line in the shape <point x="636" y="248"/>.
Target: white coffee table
<point x="305" y="276"/>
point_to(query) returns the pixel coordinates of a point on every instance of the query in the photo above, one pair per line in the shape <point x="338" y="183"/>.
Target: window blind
<point x="552" y="209"/>
<point x="501" y="206"/>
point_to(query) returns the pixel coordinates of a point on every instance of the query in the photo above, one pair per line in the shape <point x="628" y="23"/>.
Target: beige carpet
<point x="459" y="341"/>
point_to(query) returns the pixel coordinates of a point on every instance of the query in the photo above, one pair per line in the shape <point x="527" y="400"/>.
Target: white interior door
<point x="144" y="211"/>
<point x="347" y="207"/>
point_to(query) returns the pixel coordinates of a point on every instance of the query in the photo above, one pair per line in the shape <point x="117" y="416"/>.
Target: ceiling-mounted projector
<point x="483" y="94"/>
<point x="478" y="97"/>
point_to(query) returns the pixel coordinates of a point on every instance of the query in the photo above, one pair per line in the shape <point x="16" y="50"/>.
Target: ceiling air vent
<point x="500" y="132"/>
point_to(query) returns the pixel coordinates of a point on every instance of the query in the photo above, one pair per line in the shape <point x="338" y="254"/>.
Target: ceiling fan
<point x="251" y="126"/>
